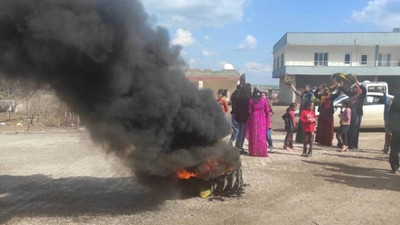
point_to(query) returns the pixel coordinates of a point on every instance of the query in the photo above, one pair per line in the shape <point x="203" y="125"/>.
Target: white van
<point x="375" y="86"/>
<point x="374" y="104"/>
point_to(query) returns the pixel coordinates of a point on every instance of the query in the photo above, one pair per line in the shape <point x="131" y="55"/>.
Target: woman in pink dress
<point x="257" y="125"/>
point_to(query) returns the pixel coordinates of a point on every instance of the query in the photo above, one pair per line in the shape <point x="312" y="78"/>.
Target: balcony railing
<point x="358" y="64"/>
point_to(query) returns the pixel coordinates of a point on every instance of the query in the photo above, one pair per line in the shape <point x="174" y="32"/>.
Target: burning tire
<point x="229" y="184"/>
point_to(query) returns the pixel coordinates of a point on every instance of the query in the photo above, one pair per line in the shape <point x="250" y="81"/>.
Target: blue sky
<point x="242" y="33"/>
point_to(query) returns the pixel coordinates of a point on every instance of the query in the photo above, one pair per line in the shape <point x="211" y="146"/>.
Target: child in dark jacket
<point x="290" y="126"/>
<point x="308" y="121"/>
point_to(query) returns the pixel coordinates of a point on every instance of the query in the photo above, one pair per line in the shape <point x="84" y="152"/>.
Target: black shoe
<point x="385" y="151"/>
<point x="243" y="152"/>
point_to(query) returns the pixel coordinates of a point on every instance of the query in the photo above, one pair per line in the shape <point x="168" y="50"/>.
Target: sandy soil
<point x="64" y="178"/>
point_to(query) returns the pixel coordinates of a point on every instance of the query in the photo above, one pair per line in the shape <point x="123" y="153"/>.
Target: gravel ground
<point x="64" y="178"/>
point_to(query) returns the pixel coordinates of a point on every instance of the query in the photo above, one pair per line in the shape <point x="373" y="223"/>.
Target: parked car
<point x="374" y="105"/>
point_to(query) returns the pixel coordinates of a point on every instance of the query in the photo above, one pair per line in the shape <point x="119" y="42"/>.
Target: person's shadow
<point x="359" y="177"/>
<point x="40" y="195"/>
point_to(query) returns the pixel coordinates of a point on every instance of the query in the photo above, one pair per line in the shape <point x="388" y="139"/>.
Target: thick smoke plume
<point x="121" y="75"/>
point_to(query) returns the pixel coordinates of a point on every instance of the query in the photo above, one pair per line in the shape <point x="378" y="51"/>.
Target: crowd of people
<point x="251" y="119"/>
<point x="350" y="115"/>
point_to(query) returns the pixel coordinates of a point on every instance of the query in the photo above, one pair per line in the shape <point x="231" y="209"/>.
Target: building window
<point x="274" y="64"/>
<point x="364" y="59"/>
<point x="282" y="61"/>
<point x="384" y="59"/>
<point x="277" y="62"/>
<point x="347" y="58"/>
<point x="320" y="59"/>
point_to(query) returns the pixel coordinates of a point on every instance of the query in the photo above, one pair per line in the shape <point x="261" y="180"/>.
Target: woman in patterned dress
<point x="257" y="125"/>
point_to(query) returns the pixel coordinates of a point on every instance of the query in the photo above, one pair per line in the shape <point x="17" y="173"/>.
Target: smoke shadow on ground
<point x="40" y="195"/>
<point x="358" y="177"/>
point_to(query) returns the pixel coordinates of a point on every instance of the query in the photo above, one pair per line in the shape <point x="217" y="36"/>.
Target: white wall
<point x="279" y="54"/>
<point x="286" y="94"/>
<point x="395" y="51"/>
<point x="304" y="55"/>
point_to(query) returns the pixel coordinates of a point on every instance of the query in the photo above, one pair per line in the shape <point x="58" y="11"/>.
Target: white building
<point x="314" y="57"/>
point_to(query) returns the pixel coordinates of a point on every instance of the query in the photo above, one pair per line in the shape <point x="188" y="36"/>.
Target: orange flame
<point x="210" y="169"/>
<point x="184" y="174"/>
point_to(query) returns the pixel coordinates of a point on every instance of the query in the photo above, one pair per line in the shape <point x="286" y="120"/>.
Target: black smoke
<point x="120" y="74"/>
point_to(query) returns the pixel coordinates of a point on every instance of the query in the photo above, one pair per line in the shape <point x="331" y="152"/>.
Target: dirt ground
<point x="62" y="177"/>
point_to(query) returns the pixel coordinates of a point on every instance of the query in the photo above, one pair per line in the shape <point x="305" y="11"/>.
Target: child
<point x="290" y="126"/>
<point x="308" y="121"/>
<point x="345" y="119"/>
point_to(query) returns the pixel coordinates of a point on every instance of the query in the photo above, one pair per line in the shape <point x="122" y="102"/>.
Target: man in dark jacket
<point x="235" y="126"/>
<point x="242" y="114"/>
<point x="357" y="94"/>
<point x="394" y="125"/>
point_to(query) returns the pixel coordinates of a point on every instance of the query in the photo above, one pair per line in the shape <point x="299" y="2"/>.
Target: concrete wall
<point x="215" y="85"/>
<point x="286" y="95"/>
<point x="279" y="54"/>
<point x="304" y="55"/>
<point x="394" y="51"/>
<point x="214" y="80"/>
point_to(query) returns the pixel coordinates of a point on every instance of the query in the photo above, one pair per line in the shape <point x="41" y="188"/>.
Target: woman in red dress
<point x="325" y="129"/>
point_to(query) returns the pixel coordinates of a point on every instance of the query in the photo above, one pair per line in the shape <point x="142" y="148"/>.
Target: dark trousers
<point x="341" y="135"/>
<point x="354" y="131"/>
<point x="288" y="140"/>
<point x="241" y="135"/>
<point x="388" y="137"/>
<point x="235" y="128"/>
<point x="269" y="139"/>
<point x="299" y="134"/>
<point x="308" y="138"/>
<point x="394" y="151"/>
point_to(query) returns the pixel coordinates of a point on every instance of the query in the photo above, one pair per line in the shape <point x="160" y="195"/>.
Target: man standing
<point x="305" y="96"/>
<point x="388" y="134"/>
<point x="235" y="126"/>
<point x="357" y="94"/>
<point x="394" y="125"/>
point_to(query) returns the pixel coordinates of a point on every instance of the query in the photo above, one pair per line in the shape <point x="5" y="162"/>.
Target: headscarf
<point x="356" y="91"/>
<point x="256" y="95"/>
<point x="324" y="97"/>
<point x="308" y="94"/>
